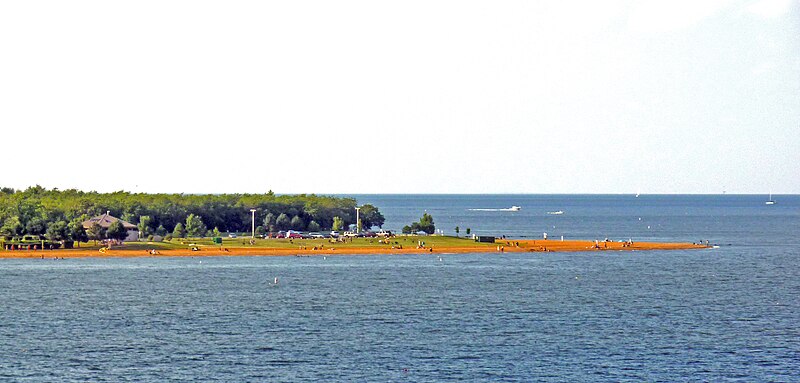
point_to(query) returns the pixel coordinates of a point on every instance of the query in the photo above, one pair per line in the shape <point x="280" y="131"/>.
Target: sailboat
<point x="770" y="201"/>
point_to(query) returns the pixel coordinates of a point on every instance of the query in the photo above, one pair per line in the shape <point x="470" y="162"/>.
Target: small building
<point x="484" y="238"/>
<point x="107" y="219"/>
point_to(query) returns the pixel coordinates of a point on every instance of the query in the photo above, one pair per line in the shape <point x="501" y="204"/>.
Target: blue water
<point x="729" y="314"/>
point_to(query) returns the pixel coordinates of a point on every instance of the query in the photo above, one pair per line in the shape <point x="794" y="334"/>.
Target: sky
<point x="401" y="97"/>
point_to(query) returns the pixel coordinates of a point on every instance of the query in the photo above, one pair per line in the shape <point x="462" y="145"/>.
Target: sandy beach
<point x="500" y="247"/>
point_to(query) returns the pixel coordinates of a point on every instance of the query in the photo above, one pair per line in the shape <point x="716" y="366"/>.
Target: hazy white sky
<point x="401" y="97"/>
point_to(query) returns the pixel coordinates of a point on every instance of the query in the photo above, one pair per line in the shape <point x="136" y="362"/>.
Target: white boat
<point x="555" y="212"/>
<point x="770" y="201"/>
<point x="514" y="208"/>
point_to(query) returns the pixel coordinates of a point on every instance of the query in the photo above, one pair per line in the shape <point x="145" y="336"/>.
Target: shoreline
<point x="501" y="246"/>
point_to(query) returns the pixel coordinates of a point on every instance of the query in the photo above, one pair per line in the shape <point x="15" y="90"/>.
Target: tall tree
<point x="370" y="216"/>
<point x="297" y="223"/>
<point x="96" y="232"/>
<point x="144" y="225"/>
<point x="179" y="231"/>
<point x="116" y="230"/>
<point x="338" y="224"/>
<point x="195" y="226"/>
<point x="76" y="231"/>
<point x="11" y="227"/>
<point x="57" y="231"/>
<point x="161" y="230"/>
<point x="283" y="222"/>
<point x="269" y="220"/>
<point x="36" y="226"/>
<point x="425" y="224"/>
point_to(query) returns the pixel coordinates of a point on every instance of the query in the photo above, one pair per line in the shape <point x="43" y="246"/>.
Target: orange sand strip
<point x="505" y="245"/>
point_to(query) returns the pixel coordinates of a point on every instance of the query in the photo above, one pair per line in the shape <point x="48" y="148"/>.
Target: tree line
<point x="59" y="214"/>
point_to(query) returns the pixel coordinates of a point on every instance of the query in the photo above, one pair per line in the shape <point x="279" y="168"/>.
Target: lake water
<point x="729" y="314"/>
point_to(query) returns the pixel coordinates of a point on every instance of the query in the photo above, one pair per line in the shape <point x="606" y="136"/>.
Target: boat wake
<point x="513" y="208"/>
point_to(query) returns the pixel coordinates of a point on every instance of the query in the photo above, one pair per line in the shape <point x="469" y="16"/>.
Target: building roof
<point x="106" y="220"/>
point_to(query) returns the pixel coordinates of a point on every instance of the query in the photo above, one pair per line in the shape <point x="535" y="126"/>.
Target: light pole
<point x="358" y="227"/>
<point x="254" y="223"/>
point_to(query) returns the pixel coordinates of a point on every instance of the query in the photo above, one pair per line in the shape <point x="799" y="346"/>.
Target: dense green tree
<point x="127" y="217"/>
<point x="116" y="230"/>
<point x="195" y="226"/>
<point x="216" y="232"/>
<point x="425" y="224"/>
<point x="96" y="232"/>
<point x="36" y="226"/>
<point x="269" y="220"/>
<point x="370" y="216"/>
<point x="469" y="231"/>
<point x="161" y="231"/>
<point x="76" y="231"/>
<point x="297" y="223"/>
<point x="313" y="226"/>
<point x="179" y="231"/>
<point x="457" y="230"/>
<point x="283" y="222"/>
<point x="36" y="208"/>
<point x="11" y="227"/>
<point x="144" y="225"/>
<point x="57" y="231"/>
<point x="338" y="224"/>
<point x="260" y="230"/>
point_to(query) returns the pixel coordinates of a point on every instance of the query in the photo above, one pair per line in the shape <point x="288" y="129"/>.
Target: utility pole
<point x="358" y="226"/>
<point x="254" y="223"/>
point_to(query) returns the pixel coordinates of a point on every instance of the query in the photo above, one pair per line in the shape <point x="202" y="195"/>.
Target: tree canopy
<point x="34" y="210"/>
<point x="425" y="224"/>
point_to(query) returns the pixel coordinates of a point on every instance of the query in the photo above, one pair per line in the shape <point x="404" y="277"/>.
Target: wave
<point x="504" y="209"/>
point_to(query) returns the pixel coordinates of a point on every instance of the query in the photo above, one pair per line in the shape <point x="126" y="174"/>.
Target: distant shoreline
<point x="501" y="246"/>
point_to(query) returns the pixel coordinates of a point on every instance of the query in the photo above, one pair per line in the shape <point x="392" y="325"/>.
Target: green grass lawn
<point x="406" y="242"/>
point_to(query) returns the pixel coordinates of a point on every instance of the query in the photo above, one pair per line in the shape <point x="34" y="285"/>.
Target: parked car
<point x="315" y="235"/>
<point x="232" y="235"/>
<point x="281" y="234"/>
<point x="368" y="234"/>
<point x="294" y="234"/>
<point x="334" y="234"/>
<point x="384" y="233"/>
<point x="350" y="234"/>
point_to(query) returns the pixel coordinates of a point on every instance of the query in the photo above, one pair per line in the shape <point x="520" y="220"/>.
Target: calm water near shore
<point x="717" y="315"/>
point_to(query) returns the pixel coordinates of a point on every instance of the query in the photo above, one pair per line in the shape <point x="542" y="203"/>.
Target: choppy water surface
<point x="727" y="314"/>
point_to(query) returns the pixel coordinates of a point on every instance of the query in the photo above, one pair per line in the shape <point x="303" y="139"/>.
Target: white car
<point x="232" y="235"/>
